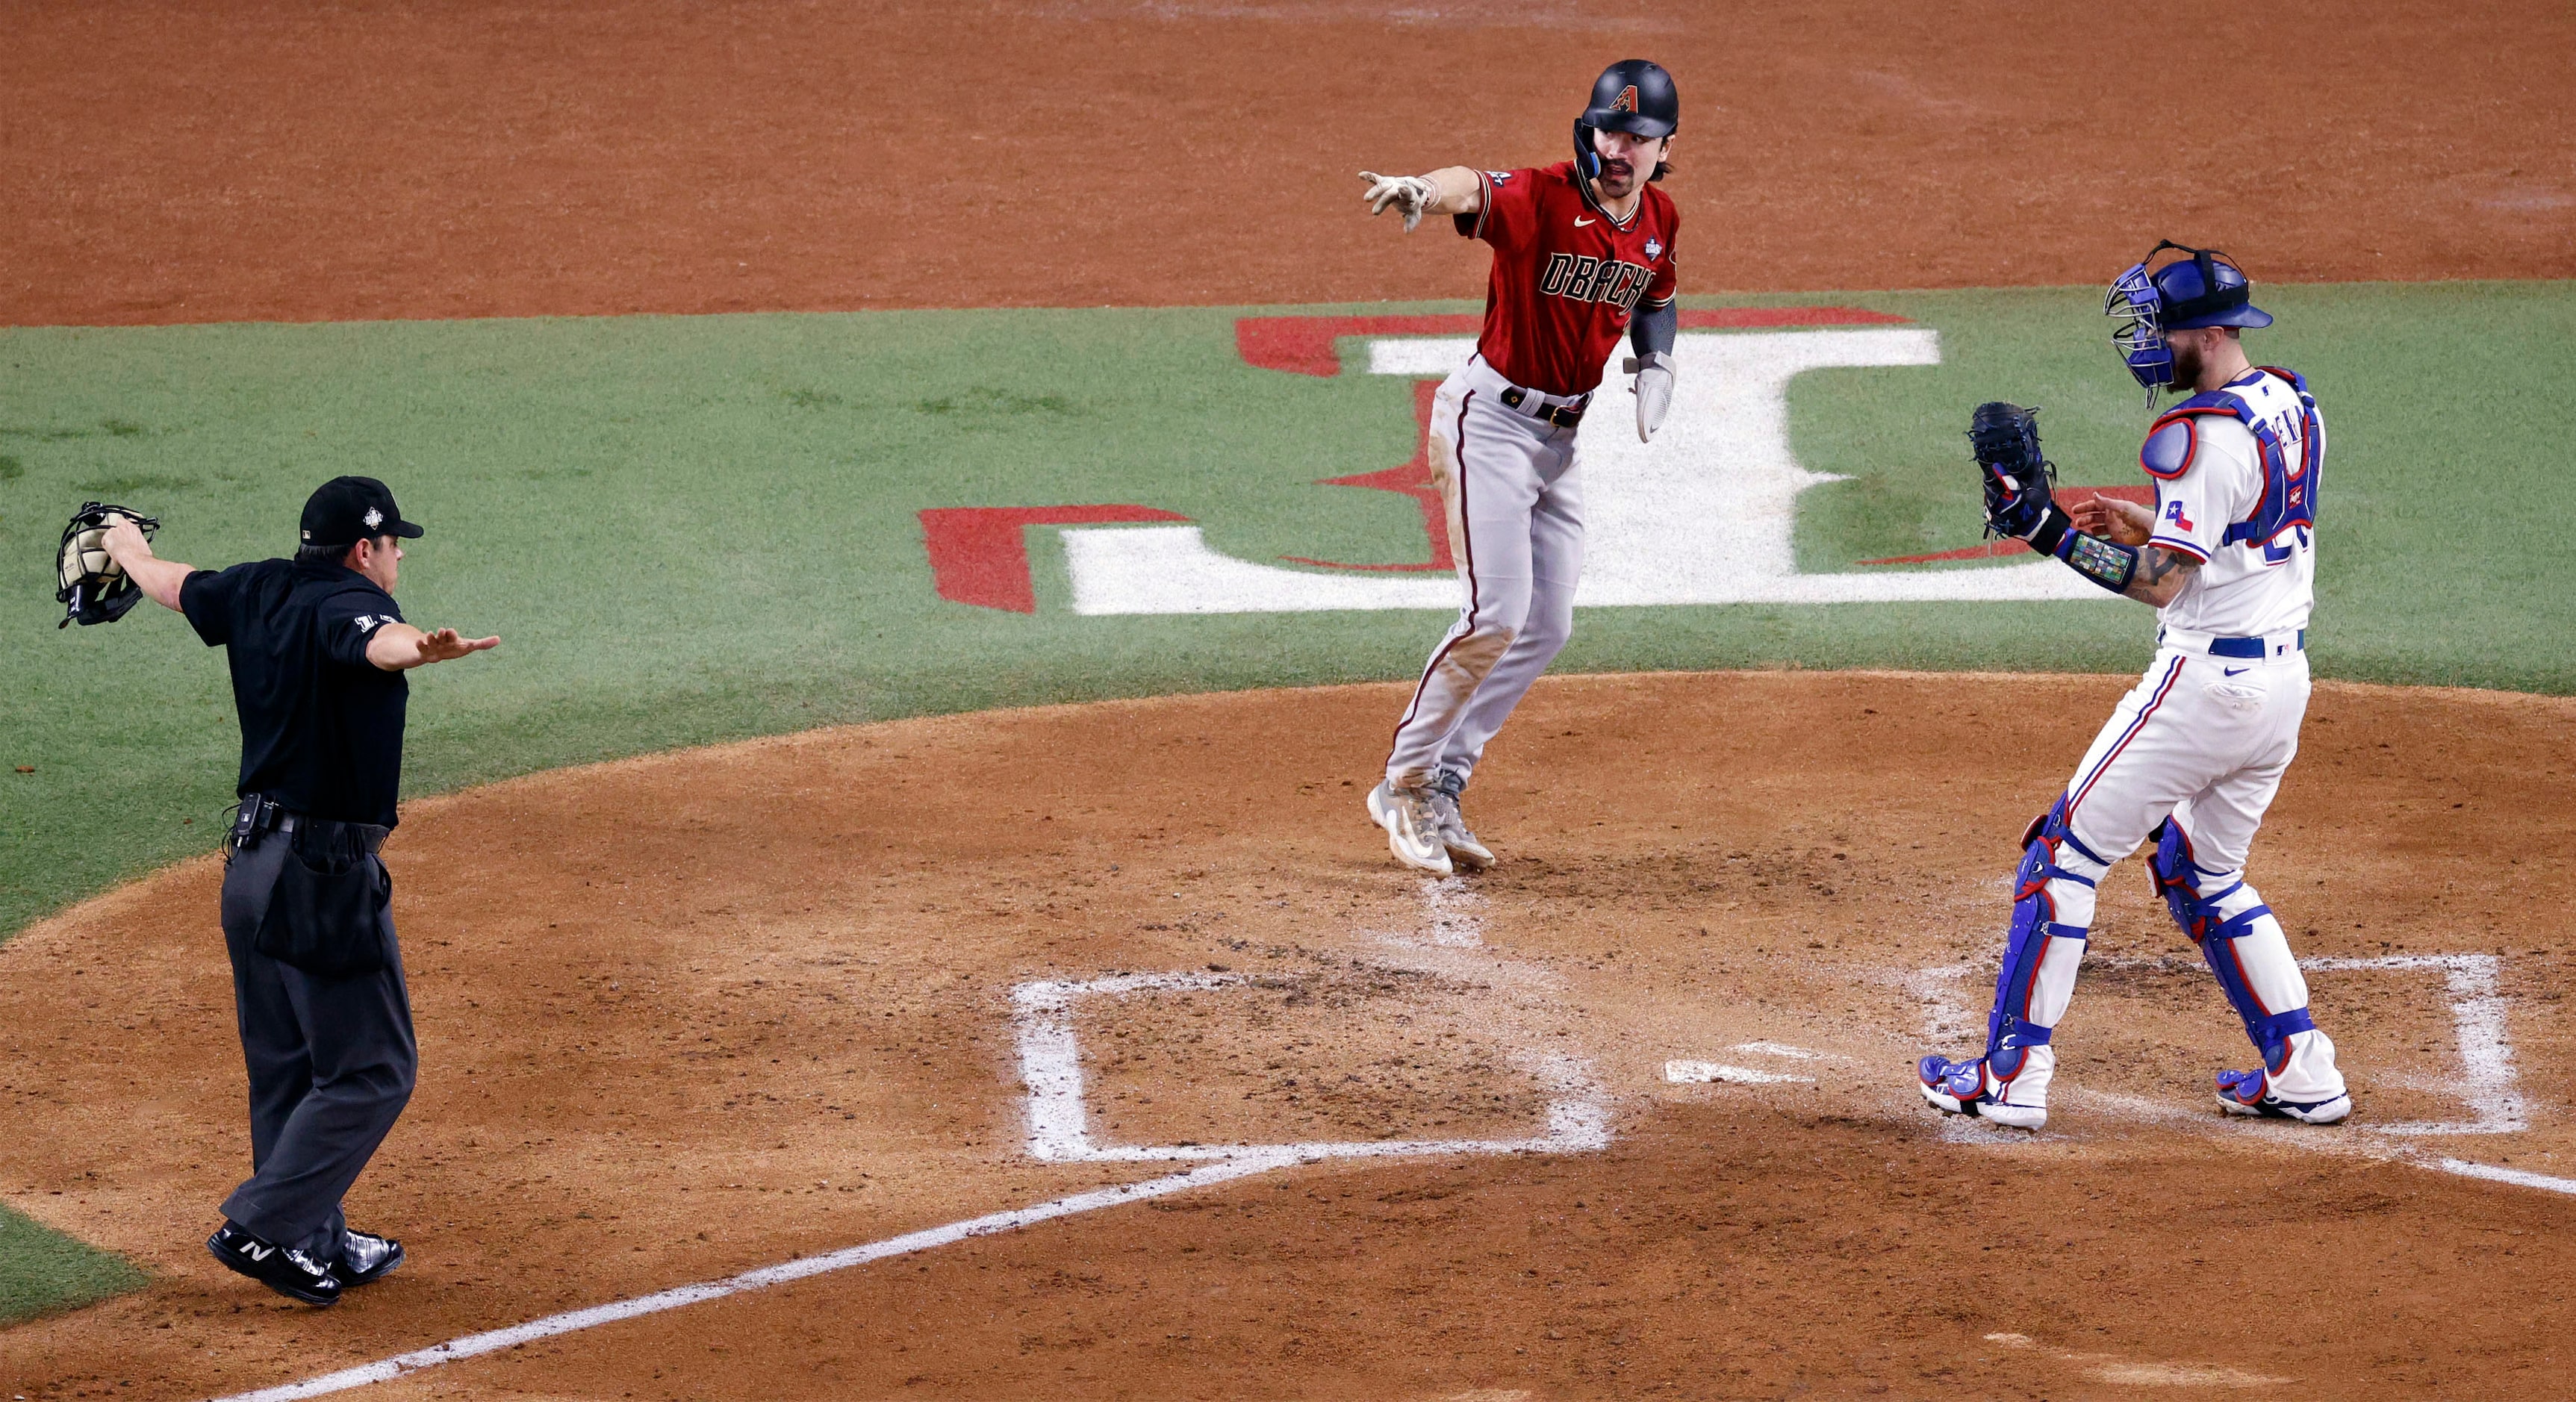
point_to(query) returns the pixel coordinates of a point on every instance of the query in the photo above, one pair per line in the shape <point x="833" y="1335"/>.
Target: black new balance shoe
<point x="366" y="1258"/>
<point x="281" y="1268"/>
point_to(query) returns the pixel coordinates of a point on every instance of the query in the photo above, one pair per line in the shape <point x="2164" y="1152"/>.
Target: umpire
<point x="318" y="651"/>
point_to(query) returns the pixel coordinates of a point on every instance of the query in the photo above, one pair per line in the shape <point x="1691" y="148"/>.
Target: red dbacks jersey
<point x="1566" y="275"/>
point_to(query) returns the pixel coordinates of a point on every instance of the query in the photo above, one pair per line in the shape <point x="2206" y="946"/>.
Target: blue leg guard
<point x="2052" y="909"/>
<point x="2203" y="918"/>
<point x="2011" y="1027"/>
<point x="2177" y="878"/>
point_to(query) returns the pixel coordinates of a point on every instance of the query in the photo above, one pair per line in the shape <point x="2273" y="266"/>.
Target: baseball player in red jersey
<point x="1583" y="251"/>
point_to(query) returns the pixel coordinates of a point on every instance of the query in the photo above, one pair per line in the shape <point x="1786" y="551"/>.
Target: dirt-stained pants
<point x="1515" y="496"/>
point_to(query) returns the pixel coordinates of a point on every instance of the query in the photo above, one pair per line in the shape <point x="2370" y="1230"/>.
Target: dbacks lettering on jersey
<point x="1604" y="280"/>
<point x="1566" y="275"/>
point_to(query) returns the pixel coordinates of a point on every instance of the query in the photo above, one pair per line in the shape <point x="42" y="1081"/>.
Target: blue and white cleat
<point x="2250" y="1093"/>
<point x="1959" y="1088"/>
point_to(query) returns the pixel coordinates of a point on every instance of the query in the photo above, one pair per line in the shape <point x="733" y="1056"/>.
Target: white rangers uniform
<point x="2196" y="751"/>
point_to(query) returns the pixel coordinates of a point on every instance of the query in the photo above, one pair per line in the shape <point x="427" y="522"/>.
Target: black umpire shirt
<point x="321" y="726"/>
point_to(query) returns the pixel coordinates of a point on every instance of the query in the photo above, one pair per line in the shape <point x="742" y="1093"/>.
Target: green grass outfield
<point x="696" y="529"/>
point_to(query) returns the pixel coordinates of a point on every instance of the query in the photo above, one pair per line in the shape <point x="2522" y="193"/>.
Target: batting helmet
<point x="1632" y="95"/>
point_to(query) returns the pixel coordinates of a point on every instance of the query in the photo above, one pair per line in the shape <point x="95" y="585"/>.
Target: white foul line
<point x="1051" y="1068"/>
<point x="2542" y="1181"/>
<point x="571" y="1321"/>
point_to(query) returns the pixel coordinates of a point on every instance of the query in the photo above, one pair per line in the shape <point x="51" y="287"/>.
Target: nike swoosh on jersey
<point x="1579" y="223"/>
<point x="2235" y="671"/>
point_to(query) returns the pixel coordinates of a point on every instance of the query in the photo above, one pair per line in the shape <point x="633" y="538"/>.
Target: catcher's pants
<point x="1513" y="486"/>
<point x="331" y="1062"/>
<point x="2204" y="740"/>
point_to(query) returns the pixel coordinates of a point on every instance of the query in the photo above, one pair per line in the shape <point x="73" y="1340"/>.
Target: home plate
<point x="1689" y="1072"/>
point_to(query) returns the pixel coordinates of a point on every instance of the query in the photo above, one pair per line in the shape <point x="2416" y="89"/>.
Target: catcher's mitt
<point x="94" y="588"/>
<point x="2017" y="477"/>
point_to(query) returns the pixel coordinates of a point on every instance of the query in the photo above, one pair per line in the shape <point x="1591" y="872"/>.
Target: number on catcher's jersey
<point x="2236" y="474"/>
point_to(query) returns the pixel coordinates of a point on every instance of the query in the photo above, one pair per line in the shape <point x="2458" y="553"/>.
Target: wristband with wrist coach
<point x="2105" y="562"/>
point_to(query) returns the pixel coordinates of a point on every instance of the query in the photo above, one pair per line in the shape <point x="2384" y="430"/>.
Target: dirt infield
<point x="704" y="1012"/>
<point x="283" y="161"/>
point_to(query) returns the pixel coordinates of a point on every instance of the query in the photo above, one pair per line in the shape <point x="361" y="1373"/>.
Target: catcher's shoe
<point x="284" y="1269"/>
<point x="366" y="1258"/>
<point x="1412" y="827"/>
<point x="2250" y="1093"/>
<point x="1465" y="852"/>
<point x="1959" y="1088"/>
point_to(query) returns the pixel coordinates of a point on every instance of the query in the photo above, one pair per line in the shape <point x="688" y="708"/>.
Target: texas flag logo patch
<point x="2173" y="513"/>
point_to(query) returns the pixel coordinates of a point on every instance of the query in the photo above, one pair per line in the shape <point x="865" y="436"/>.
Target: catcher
<point x="2192" y="757"/>
<point x="317" y="649"/>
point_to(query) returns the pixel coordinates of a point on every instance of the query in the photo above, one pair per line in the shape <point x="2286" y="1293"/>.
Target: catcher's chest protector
<point x="2276" y="407"/>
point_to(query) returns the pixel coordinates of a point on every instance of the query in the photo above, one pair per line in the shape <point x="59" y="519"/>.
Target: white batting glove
<point x="1654" y="390"/>
<point x="1412" y="194"/>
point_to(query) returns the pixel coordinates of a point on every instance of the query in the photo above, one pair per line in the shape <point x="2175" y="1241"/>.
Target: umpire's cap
<point x="346" y="510"/>
<point x="2202" y="288"/>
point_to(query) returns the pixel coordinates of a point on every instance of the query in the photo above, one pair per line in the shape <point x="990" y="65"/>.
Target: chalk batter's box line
<point x="2490" y="1082"/>
<point x="1059" y="1118"/>
<point x="1051" y="1065"/>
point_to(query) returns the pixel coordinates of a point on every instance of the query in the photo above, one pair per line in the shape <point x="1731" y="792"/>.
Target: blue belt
<point x="2247" y="647"/>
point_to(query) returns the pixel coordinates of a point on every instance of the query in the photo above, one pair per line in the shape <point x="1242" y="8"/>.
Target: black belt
<point x="1561" y="415"/>
<point x="260" y="814"/>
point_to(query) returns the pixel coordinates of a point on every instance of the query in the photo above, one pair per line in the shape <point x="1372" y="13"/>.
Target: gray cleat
<point x="1412" y="827"/>
<point x="1464" y="850"/>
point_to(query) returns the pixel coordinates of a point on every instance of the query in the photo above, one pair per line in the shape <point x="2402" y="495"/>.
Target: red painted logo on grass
<point x="979" y="554"/>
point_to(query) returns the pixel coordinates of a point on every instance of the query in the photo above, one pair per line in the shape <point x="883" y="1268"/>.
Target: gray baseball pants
<point x="1514" y="490"/>
<point x="331" y="1062"/>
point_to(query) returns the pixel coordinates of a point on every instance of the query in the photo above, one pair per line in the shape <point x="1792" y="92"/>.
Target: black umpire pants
<point x="331" y="1063"/>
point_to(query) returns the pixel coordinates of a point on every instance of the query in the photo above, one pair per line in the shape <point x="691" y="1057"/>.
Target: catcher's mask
<point x="1634" y="96"/>
<point x="94" y="588"/>
<point x="2176" y="288"/>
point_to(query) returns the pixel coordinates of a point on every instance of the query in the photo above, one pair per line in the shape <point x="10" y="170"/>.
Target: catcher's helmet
<point x="1632" y="95"/>
<point x="2193" y="288"/>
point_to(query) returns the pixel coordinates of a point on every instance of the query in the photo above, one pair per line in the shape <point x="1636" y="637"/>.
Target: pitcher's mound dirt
<point x="688" y="1015"/>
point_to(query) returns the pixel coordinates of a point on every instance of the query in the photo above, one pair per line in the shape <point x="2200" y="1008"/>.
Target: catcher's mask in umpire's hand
<point x="1633" y="96"/>
<point x="2193" y="287"/>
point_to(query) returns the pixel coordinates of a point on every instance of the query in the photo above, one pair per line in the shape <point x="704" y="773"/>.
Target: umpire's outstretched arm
<point x="395" y="647"/>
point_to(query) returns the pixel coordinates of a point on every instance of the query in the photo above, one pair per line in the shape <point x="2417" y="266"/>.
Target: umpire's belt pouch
<point x="331" y="913"/>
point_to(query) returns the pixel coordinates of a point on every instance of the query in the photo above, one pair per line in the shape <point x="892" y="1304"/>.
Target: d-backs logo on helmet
<point x="1635" y="96"/>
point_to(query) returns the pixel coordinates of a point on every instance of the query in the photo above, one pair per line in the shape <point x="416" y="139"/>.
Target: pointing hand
<point x="1412" y="195"/>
